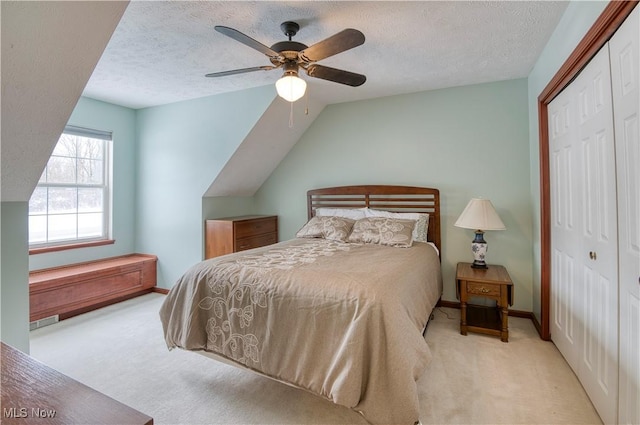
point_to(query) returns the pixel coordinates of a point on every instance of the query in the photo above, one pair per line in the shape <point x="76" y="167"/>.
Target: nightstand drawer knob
<point x="593" y="255"/>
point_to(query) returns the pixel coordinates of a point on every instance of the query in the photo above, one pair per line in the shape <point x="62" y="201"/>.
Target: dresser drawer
<point x="486" y="289"/>
<point x="249" y="228"/>
<point x="256" y="241"/>
<point x="233" y="234"/>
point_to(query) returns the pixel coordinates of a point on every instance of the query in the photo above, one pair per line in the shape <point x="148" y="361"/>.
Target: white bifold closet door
<point x="594" y="151"/>
<point x="584" y="281"/>
<point x="625" y="64"/>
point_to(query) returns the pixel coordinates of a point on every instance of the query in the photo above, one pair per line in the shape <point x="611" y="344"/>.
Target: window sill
<point x="45" y="249"/>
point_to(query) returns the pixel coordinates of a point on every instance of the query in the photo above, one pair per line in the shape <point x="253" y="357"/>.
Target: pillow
<point x="422" y="221"/>
<point x="383" y="231"/>
<point x="352" y="213"/>
<point x="331" y="228"/>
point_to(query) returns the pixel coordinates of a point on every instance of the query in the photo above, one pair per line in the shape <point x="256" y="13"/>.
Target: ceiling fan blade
<point x="247" y="41"/>
<point x="336" y="75"/>
<point x="241" y="71"/>
<point x="337" y="43"/>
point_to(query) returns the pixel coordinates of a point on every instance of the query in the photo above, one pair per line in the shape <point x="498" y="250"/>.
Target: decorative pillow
<point x="422" y="221"/>
<point x="352" y="213"/>
<point x="383" y="231"/>
<point x="331" y="228"/>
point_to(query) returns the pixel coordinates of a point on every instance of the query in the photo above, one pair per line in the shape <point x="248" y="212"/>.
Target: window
<point x="71" y="201"/>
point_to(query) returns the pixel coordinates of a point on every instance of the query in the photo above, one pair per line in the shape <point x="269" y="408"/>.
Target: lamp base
<point x="479" y="248"/>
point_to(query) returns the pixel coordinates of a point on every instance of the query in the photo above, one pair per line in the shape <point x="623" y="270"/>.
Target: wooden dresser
<point x="233" y="234"/>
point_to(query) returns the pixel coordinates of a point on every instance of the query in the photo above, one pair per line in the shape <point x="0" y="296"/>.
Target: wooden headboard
<point x="382" y="197"/>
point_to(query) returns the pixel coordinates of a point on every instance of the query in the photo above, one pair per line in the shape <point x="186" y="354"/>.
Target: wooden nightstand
<point x="493" y="283"/>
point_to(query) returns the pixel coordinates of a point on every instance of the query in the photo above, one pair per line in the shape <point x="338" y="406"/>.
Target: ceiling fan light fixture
<point x="291" y="55"/>
<point x="291" y="87"/>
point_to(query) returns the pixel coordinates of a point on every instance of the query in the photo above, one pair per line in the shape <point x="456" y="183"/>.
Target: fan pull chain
<point x="306" y="108"/>
<point x="306" y="103"/>
<point x="291" y="115"/>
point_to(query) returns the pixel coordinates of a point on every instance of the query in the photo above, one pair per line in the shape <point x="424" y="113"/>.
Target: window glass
<point x="71" y="200"/>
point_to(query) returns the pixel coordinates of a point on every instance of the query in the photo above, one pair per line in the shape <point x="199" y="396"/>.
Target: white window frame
<point x="106" y="186"/>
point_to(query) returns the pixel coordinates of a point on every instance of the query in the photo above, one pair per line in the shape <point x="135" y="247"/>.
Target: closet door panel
<point x="625" y="64"/>
<point x="584" y="287"/>
<point x="598" y="368"/>
<point x="566" y="303"/>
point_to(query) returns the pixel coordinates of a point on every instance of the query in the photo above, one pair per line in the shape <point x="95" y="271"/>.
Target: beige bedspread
<point x="343" y="321"/>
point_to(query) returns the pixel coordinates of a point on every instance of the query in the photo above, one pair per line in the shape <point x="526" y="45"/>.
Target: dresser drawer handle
<point x="484" y="290"/>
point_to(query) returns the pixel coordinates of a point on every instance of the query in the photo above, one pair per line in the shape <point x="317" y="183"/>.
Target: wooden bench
<point x="77" y="288"/>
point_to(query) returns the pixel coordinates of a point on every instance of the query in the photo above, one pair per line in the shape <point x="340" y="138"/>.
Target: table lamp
<point x="479" y="215"/>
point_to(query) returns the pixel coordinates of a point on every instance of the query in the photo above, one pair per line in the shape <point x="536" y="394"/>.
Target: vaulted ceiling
<point x="161" y="50"/>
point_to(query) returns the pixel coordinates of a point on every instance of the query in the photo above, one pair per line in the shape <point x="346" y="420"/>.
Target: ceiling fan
<point x="292" y="55"/>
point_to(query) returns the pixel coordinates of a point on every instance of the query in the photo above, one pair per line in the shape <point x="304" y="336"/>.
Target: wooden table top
<point x="492" y="274"/>
<point x="35" y="393"/>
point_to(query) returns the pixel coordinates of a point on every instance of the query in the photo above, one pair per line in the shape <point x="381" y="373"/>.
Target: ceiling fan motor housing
<point x="283" y="47"/>
<point x="288" y="49"/>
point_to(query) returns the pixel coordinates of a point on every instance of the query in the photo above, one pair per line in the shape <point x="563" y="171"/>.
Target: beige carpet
<point x="119" y="350"/>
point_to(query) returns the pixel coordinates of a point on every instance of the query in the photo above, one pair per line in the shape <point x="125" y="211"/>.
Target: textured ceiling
<point x="160" y="51"/>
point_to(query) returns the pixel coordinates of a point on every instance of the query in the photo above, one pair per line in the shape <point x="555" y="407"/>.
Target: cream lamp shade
<point x="479" y="215"/>
<point x="291" y="87"/>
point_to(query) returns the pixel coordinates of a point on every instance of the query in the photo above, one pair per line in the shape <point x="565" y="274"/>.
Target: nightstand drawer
<point x="485" y="289"/>
<point x="247" y="228"/>
<point x="256" y="241"/>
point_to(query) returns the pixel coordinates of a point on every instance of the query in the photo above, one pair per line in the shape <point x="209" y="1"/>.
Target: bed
<point x="339" y="315"/>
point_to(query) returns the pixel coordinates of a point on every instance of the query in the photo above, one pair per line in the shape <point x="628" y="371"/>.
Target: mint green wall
<point x="16" y="262"/>
<point x="182" y="147"/>
<point x="121" y="121"/>
<point x="227" y="206"/>
<point x="14" y="275"/>
<point x="466" y="141"/>
<point x="574" y="24"/>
